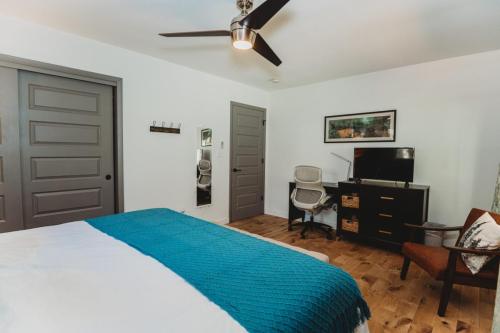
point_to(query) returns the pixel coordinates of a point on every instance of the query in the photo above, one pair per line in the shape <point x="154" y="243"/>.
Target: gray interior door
<point x="66" y="149"/>
<point x="10" y="170"/>
<point x="247" y="161"/>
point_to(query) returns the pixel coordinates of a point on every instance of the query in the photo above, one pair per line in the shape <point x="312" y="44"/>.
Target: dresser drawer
<point x="383" y="200"/>
<point x="385" y="228"/>
<point x="385" y="213"/>
<point x="387" y="203"/>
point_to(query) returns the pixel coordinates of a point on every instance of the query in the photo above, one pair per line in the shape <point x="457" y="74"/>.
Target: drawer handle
<point x="385" y="215"/>
<point x="385" y="232"/>
<point x="387" y="198"/>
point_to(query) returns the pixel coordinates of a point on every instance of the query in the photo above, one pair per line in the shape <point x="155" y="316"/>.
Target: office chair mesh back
<point x="307" y="174"/>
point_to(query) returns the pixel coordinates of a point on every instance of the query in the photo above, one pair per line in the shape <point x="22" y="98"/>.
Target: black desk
<point x="293" y="213"/>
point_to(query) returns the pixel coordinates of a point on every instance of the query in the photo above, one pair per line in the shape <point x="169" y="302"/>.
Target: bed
<point x="161" y="271"/>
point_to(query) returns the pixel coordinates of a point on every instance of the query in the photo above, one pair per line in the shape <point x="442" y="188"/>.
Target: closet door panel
<point x="10" y="169"/>
<point x="67" y="149"/>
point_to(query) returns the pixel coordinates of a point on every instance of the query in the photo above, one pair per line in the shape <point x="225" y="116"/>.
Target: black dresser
<point x="377" y="211"/>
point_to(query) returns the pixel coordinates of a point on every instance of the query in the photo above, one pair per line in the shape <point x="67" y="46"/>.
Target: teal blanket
<point x="265" y="287"/>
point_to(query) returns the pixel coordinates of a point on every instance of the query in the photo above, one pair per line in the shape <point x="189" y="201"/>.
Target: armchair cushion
<point x="484" y="233"/>
<point x="434" y="261"/>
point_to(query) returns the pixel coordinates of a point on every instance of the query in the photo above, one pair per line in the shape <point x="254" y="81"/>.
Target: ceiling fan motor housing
<point x="240" y="32"/>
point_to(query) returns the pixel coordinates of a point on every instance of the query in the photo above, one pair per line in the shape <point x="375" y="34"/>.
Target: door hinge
<point x="264" y="122"/>
<point x="262" y="161"/>
<point x="262" y="197"/>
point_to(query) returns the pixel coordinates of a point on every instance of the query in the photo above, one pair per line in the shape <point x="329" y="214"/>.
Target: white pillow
<point x="483" y="234"/>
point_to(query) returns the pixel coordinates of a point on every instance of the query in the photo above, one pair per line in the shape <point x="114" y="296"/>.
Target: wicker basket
<point x="350" y="201"/>
<point x="350" y="225"/>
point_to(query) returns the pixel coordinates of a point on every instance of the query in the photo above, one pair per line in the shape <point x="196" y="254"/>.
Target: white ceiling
<point x="317" y="40"/>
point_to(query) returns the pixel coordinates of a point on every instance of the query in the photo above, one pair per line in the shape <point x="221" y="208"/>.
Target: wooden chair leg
<point x="304" y="230"/>
<point x="445" y="297"/>
<point x="448" y="283"/>
<point x="404" y="269"/>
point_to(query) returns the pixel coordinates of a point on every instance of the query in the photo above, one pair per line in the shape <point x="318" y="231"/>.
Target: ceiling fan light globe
<point x="242" y="45"/>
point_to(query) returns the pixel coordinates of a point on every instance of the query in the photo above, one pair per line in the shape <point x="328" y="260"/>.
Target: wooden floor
<point x="396" y="306"/>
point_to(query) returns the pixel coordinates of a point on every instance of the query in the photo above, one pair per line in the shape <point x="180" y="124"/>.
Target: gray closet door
<point x="247" y="161"/>
<point x="10" y="169"/>
<point x="66" y="149"/>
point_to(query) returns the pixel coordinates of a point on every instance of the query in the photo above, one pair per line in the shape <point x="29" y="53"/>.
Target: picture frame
<point x="377" y="126"/>
<point x="206" y="137"/>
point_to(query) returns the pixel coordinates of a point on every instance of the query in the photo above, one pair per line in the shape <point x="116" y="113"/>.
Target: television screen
<point x="394" y="164"/>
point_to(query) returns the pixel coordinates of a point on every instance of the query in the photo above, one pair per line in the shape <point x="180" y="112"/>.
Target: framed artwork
<point x="206" y="137"/>
<point x="377" y="126"/>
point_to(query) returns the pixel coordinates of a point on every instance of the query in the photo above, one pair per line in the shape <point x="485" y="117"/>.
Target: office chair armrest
<point x="483" y="252"/>
<point x="324" y="199"/>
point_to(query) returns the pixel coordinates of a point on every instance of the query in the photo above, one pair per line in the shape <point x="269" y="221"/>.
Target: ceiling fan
<point x="243" y="28"/>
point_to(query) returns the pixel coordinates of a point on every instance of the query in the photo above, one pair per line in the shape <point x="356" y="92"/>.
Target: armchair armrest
<point x="414" y="228"/>
<point x="473" y="251"/>
<point x="421" y="227"/>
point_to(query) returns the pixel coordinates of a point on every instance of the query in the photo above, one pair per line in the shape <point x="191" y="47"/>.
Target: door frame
<point x="115" y="82"/>
<point x="256" y="108"/>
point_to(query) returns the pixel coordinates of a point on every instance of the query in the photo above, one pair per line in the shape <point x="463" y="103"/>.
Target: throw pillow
<point x="483" y="234"/>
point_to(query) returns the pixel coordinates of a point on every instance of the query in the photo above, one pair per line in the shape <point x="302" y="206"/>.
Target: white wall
<point x="448" y="110"/>
<point x="159" y="169"/>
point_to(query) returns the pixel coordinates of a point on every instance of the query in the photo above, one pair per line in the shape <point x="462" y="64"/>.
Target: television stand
<point x="376" y="211"/>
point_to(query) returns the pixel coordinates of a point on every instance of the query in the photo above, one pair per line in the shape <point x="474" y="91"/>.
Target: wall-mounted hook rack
<point x="163" y="129"/>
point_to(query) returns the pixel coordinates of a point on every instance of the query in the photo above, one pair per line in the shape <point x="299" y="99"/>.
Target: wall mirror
<point x="204" y="168"/>
<point x="206" y="137"/>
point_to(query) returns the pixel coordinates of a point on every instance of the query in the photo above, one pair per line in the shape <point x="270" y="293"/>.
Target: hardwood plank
<point x="396" y="306"/>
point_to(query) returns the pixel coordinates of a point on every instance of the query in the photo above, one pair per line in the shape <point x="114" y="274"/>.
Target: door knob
<point x="108" y="177"/>
<point x="236" y="170"/>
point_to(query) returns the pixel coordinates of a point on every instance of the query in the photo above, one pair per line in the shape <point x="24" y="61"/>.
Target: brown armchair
<point x="445" y="263"/>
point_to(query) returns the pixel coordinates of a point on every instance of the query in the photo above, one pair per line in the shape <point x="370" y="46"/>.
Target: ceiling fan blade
<point x="262" y="48"/>
<point x="212" y="33"/>
<point x="262" y="14"/>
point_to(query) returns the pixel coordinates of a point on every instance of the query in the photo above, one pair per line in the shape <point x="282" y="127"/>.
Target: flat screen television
<point x="394" y="164"/>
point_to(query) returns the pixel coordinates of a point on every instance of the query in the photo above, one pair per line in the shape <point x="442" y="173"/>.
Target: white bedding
<point x="72" y="278"/>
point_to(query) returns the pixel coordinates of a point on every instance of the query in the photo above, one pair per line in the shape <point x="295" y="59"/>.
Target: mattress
<point x="74" y="278"/>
